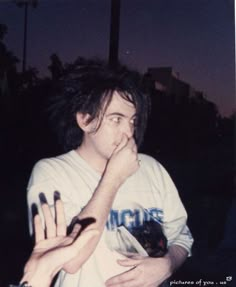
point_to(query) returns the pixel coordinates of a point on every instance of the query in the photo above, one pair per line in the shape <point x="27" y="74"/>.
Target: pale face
<point x="119" y="119"/>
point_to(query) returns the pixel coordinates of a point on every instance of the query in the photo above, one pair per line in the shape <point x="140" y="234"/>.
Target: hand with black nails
<point x="53" y="247"/>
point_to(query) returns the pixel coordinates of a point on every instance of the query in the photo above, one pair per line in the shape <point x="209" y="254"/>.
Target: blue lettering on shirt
<point x="133" y="218"/>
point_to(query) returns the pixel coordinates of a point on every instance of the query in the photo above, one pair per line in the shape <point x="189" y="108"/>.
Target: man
<point x="101" y="115"/>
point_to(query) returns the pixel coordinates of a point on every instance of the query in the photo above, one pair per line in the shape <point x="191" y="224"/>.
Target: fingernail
<point x="34" y="209"/>
<point x="57" y="195"/>
<point x="42" y="198"/>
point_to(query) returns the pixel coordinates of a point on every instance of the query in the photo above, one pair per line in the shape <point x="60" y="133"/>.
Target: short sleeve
<point x="175" y="216"/>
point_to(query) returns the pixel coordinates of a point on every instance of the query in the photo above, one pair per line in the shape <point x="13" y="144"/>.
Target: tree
<point x="7" y="67"/>
<point x="56" y="67"/>
<point x="7" y="60"/>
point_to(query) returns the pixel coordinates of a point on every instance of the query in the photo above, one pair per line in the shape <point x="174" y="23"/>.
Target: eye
<point x="133" y="122"/>
<point x="116" y="120"/>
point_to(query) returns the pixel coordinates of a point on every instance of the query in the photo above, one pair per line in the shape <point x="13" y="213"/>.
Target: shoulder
<point x="154" y="169"/>
<point x="46" y="177"/>
<point x="148" y="162"/>
<point x="48" y="167"/>
<point x="52" y="162"/>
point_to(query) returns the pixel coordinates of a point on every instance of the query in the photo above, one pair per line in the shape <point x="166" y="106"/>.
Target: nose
<point x="128" y="130"/>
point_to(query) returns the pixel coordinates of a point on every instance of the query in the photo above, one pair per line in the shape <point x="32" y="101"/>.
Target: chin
<point x="108" y="154"/>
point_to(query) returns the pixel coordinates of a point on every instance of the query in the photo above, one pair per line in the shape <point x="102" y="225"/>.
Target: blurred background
<point x="185" y="52"/>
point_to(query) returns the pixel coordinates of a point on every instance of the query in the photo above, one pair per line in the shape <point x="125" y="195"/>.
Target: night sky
<point x="195" y="37"/>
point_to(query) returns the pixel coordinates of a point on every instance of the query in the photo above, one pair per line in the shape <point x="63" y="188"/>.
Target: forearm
<point x="176" y="255"/>
<point x="38" y="278"/>
<point x="122" y="164"/>
<point x="98" y="208"/>
<point x="101" y="202"/>
<point x="36" y="282"/>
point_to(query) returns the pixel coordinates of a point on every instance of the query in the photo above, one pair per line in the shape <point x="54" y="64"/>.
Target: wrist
<point x="170" y="262"/>
<point x="176" y="256"/>
<point x="22" y="284"/>
<point x="113" y="182"/>
<point x="33" y="279"/>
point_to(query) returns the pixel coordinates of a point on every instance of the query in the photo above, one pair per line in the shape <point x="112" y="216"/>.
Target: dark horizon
<point x="185" y="134"/>
<point x="198" y="42"/>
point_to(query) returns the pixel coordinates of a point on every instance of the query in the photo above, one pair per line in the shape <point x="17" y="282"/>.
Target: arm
<point x="53" y="250"/>
<point x="176" y="255"/>
<point x="175" y="222"/>
<point x="122" y="164"/>
<point x="149" y="271"/>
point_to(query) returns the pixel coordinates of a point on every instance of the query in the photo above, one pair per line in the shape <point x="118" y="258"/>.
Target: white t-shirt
<point x="148" y="193"/>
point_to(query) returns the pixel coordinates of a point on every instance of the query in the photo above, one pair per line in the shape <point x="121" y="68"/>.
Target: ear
<point x="82" y="121"/>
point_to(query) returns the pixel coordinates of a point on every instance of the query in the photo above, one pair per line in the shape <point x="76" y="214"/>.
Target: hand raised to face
<point x="124" y="160"/>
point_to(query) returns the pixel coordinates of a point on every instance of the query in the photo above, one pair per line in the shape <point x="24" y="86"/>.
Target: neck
<point x="96" y="162"/>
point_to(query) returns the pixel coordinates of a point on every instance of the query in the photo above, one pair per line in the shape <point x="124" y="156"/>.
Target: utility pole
<point x="114" y="33"/>
<point x="25" y="4"/>
<point x="25" y="36"/>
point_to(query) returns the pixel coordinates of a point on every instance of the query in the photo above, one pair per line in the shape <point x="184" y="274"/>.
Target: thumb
<point x="122" y="144"/>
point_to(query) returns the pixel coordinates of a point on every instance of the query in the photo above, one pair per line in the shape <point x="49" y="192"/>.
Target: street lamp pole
<point x="114" y="33"/>
<point x="25" y="36"/>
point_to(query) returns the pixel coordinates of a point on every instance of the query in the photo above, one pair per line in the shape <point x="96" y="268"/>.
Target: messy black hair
<point x="87" y="87"/>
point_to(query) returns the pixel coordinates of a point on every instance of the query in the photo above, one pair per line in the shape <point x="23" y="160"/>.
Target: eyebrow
<point x="119" y="114"/>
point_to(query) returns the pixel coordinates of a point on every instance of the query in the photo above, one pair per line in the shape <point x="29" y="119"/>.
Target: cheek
<point x="115" y="136"/>
<point x="111" y="133"/>
<point x="104" y="139"/>
<point x="108" y="137"/>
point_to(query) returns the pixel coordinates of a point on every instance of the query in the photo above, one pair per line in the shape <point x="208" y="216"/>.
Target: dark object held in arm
<point x="151" y="237"/>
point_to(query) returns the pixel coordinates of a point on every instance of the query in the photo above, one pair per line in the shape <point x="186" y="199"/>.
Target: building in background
<point x="168" y="83"/>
